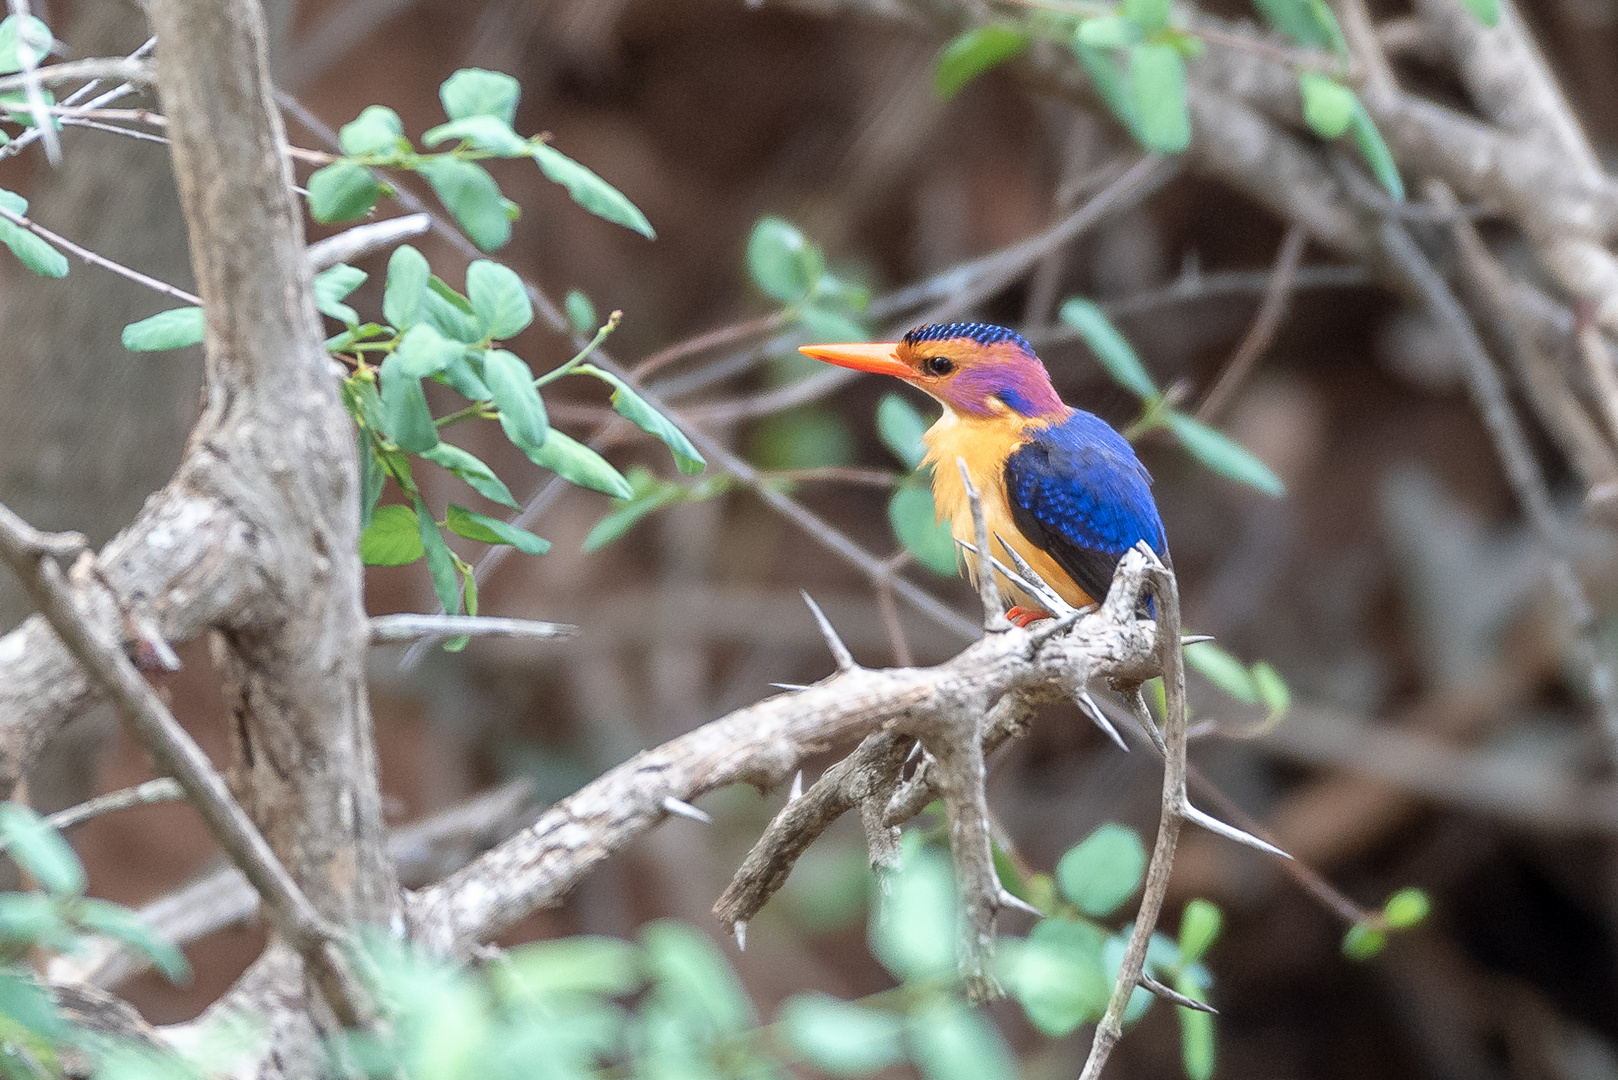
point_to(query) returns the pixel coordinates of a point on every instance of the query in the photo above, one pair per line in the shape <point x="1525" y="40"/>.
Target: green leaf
<point x="1199" y="927"/>
<point x="1223" y="670"/>
<point x="423" y="351"/>
<point x="488" y="133"/>
<point x="841" y="1038"/>
<point x="463" y="375"/>
<point x="632" y="407"/>
<point x="1328" y="105"/>
<point x="1223" y="454"/>
<point x="473" y="471"/>
<point x="30" y="918"/>
<point x="808" y="437"/>
<point x="1406" y="908"/>
<point x="901" y="427"/>
<point x="332" y="286"/>
<point x="1111" y="81"/>
<point x="1110" y="347"/>
<point x="407" y="279"/>
<point x="915" y="523"/>
<point x="25" y="1003"/>
<point x="376" y="130"/>
<point x="440" y="560"/>
<point x="1058" y="977"/>
<point x="1151" y="15"/>
<point x="1157" y="81"/>
<point x="973" y="53"/>
<point x="583" y="964"/>
<point x="829" y="325"/>
<point x="30" y="250"/>
<point x="392" y="539"/>
<point x="577" y="464"/>
<point x="1376" y="153"/>
<point x="913" y="935"/>
<point x="1197" y="1047"/>
<point x="488" y="530"/>
<point x="590" y="191"/>
<point x="40" y="850"/>
<point x="1363" y="941"/>
<point x="342" y="191"/>
<point x="499" y="299"/>
<point x="373" y="478"/>
<point x="692" y="976"/>
<point x="405" y="417"/>
<point x="1104" y="869"/>
<point x="626" y="517"/>
<point x="449" y="312"/>
<point x="951" y="1042"/>
<point x="511" y="387"/>
<point x="1486" y="12"/>
<point x="1272" y="689"/>
<point x="22" y="35"/>
<point x="477" y="92"/>
<point x="121" y="924"/>
<point x="471" y="194"/>
<point x="782" y="261"/>
<point x="1109" y="32"/>
<point x="1306" y="22"/>
<point x="581" y="313"/>
<point x="173" y="329"/>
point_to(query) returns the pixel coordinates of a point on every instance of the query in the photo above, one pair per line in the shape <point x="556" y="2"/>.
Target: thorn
<point x="740" y="930"/>
<point x="153" y="643"/>
<point x="1048" y="630"/>
<point x="914" y="752"/>
<point x="788" y="686"/>
<point x="1053" y="603"/>
<point x="1229" y="832"/>
<point x="797" y="788"/>
<point x="1168" y="993"/>
<point x="1006" y="572"/>
<point x="1195" y="639"/>
<point x="1008" y="899"/>
<point x="1090" y="706"/>
<point x="839" y="651"/>
<point x="685" y="810"/>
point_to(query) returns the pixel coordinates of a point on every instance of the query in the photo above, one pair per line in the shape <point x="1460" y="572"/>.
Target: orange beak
<point x="880" y="358"/>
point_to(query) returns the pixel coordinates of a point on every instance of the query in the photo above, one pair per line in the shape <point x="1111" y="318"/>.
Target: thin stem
<point x="99" y="260"/>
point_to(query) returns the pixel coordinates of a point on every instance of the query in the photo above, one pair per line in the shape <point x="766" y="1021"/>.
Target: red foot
<point x="1022" y="616"/>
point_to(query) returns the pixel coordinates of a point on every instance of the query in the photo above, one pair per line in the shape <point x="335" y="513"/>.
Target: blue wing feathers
<point x="1080" y="494"/>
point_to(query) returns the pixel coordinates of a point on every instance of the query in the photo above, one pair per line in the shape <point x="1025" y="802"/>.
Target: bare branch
<point x="411" y="627"/>
<point x="362" y="240"/>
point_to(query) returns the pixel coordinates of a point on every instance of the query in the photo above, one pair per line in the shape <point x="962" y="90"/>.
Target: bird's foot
<point x="1021" y="616"/>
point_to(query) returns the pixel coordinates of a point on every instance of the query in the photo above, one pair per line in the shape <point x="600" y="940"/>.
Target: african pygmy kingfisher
<point x="1057" y="483"/>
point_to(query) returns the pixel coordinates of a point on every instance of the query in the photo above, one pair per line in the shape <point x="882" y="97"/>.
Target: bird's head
<point x="973" y="369"/>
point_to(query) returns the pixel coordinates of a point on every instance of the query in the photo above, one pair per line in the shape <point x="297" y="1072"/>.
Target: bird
<point x="1057" y="484"/>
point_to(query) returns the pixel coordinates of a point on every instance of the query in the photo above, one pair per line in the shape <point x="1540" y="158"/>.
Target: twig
<point x="122" y="68"/>
<point x="1523" y="473"/>
<point x="1111" y="1026"/>
<point x="410" y="627"/>
<point x="163" y="789"/>
<point x="1262" y="331"/>
<point x="99" y="260"/>
<point x="21" y="142"/>
<point x="178" y="755"/>
<point x="361" y="240"/>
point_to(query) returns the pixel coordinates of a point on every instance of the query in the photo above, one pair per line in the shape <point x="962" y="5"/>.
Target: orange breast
<point x="985" y="443"/>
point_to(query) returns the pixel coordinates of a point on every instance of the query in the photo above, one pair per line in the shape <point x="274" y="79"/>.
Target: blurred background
<point x="1438" y="737"/>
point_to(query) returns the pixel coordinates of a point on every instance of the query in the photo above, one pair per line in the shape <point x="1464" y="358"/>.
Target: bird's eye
<point x="938" y="365"/>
